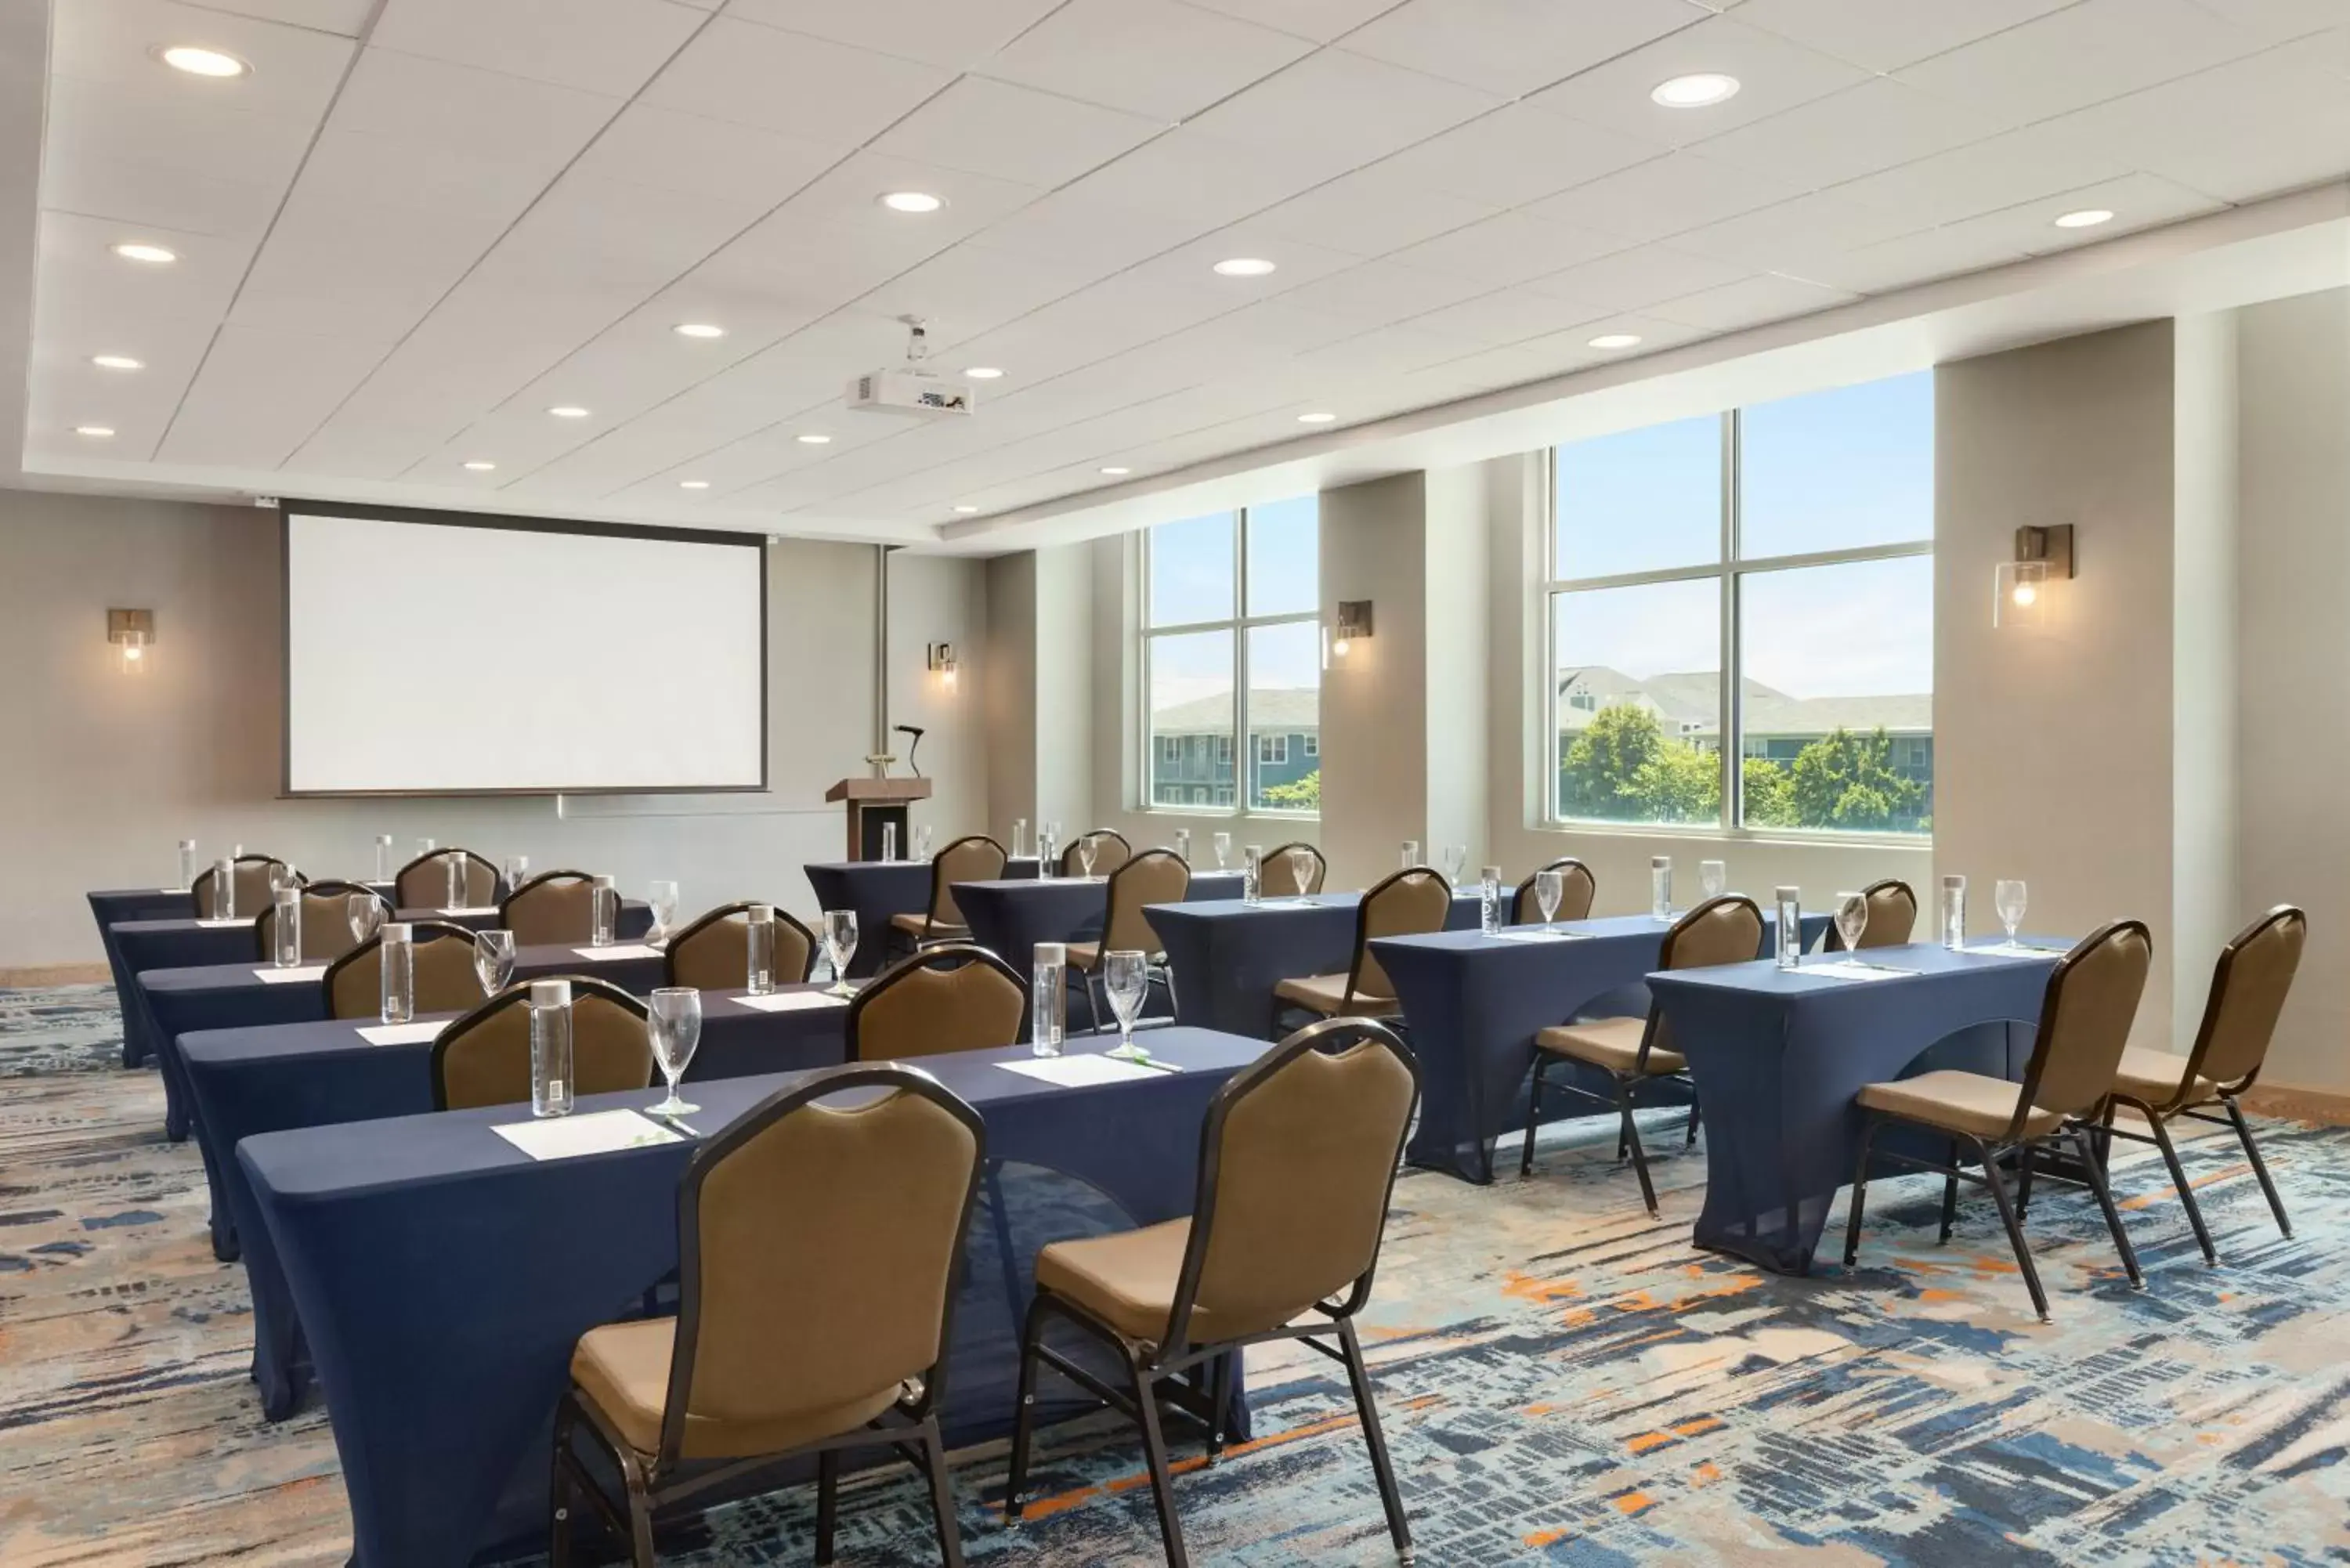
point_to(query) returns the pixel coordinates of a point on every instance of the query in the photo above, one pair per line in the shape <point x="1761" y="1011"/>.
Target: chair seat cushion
<point x="1326" y="994"/>
<point x="623" y="1368"/>
<point x="1957" y="1102"/>
<point x="1125" y="1279"/>
<point x="2154" y="1078"/>
<point x="921" y="926"/>
<point x="1610" y="1043"/>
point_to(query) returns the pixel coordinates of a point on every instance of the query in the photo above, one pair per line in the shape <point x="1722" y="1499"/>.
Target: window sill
<point x="1797" y="836"/>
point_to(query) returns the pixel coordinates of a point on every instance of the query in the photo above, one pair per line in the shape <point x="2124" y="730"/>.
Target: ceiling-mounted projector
<point x="912" y="389"/>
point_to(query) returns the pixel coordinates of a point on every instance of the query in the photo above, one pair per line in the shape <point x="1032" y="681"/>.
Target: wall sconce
<point x="942" y="661"/>
<point x="1354" y="624"/>
<point x="2020" y="588"/>
<point x="133" y="633"/>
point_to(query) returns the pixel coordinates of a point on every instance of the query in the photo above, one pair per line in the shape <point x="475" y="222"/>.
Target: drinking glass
<point x="424" y="847"/>
<point x="1660" y="886"/>
<point x="1790" y="928"/>
<point x="383" y="867"/>
<point x="1223" y="851"/>
<point x="1713" y="877"/>
<point x="1183" y="845"/>
<point x="673" y="1018"/>
<point x="187" y="865"/>
<point x="517" y="871"/>
<point x="283" y="876"/>
<point x="1851" y="919"/>
<point x="224" y="892"/>
<point x="662" y="898"/>
<point x="1252" y="874"/>
<point x="759" y="950"/>
<point x="1456" y="856"/>
<point x="840" y="945"/>
<point x="365" y="913"/>
<point x="1019" y="836"/>
<point x="1954" y="912"/>
<point x="603" y="912"/>
<point x="1550" y="887"/>
<point x="2007" y="897"/>
<point x="1127" y="979"/>
<point x="1411" y="854"/>
<point x="494" y="960"/>
<point x="922" y="842"/>
<point x="1301" y="871"/>
<point x="1088" y="847"/>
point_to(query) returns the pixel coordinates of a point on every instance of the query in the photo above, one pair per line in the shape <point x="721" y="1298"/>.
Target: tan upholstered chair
<point x="1297" y="1160"/>
<point x="254" y="873"/>
<point x="975" y="859"/>
<point x="423" y="882"/>
<point x="1577" y="888"/>
<point x="1110" y="851"/>
<point x="1637" y="1052"/>
<point x="1153" y="877"/>
<point x="325" y="920"/>
<point x="802" y="1327"/>
<point x="1892" y="917"/>
<point x="951" y="997"/>
<point x="2240" y="1016"/>
<point x="483" y="1058"/>
<point x="1279" y="876"/>
<point x="714" y="953"/>
<point x="552" y="908"/>
<point x="444" y="975"/>
<point x="1409" y="903"/>
<point x="2084" y="1024"/>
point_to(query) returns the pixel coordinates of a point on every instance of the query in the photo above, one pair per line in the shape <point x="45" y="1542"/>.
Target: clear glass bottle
<point x="1044" y="866"/>
<point x="1048" y="998"/>
<point x="453" y="869"/>
<point x="224" y="892"/>
<point x="383" y="857"/>
<point x="1790" y="944"/>
<point x="889" y="841"/>
<point x="603" y="912"/>
<point x="1019" y="836"/>
<point x="1954" y="912"/>
<point x="550" y="1048"/>
<point x="1660" y="886"/>
<point x="396" y="959"/>
<point x="1252" y="874"/>
<point x="187" y="865"/>
<point x="1411" y="855"/>
<point x="760" y="934"/>
<point x="1489" y="900"/>
<point x="286" y="929"/>
<point x="1183" y="845"/>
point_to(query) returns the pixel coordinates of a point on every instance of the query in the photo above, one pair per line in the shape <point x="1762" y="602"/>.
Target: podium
<point x="873" y="804"/>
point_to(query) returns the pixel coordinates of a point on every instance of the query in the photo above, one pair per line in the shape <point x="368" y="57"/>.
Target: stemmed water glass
<point x="518" y="872"/>
<point x="365" y="913"/>
<point x="1223" y="851"/>
<point x="1456" y="856"/>
<point x="1088" y="847"/>
<point x="840" y="946"/>
<point x="2007" y="897"/>
<point x="922" y="841"/>
<point x="1713" y="876"/>
<point x="673" y="1019"/>
<point x="662" y="898"/>
<point x="1411" y="855"/>
<point x="1301" y="871"/>
<point x="1851" y="919"/>
<point x="1126" y="977"/>
<point x="494" y="960"/>
<point x="1550" y="887"/>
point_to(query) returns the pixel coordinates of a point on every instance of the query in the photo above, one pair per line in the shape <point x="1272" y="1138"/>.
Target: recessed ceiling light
<point x="568" y="411"/>
<point x="2087" y="218"/>
<point x="812" y="439"/>
<point x="1114" y="472"/>
<point x="96" y="431"/>
<point x="698" y="329"/>
<point x="1616" y="340"/>
<point x="478" y="466"/>
<point x="984" y="373"/>
<point x="202" y="62"/>
<point x="117" y="362"/>
<point x="966" y="511"/>
<point x="1244" y="266"/>
<point x="912" y="202"/>
<point x="154" y="255"/>
<point x="1695" y="91"/>
<point x="694" y="484"/>
<point x="1315" y="419"/>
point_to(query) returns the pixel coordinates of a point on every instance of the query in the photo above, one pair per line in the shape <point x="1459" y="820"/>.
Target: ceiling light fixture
<point x="202" y="62"/>
<point x="568" y="411"/>
<point x="694" y="484"/>
<point x="1696" y="91"/>
<point x="117" y="362"/>
<point x="1317" y="418"/>
<point x="966" y="511"/>
<point x="984" y="373"/>
<point x="1114" y="471"/>
<point x="814" y="439"/>
<point x="1244" y="266"/>
<point x="2087" y="218"/>
<point x="698" y="329"/>
<point x="97" y="432"/>
<point x="154" y="255"/>
<point x="478" y="466"/>
<point x="912" y="201"/>
<point x="1616" y="340"/>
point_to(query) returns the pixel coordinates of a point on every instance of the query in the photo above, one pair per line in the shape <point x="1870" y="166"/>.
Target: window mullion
<point x="1733" y="669"/>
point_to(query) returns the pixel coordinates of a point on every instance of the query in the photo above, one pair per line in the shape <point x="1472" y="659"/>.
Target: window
<point x="1232" y="647"/>
<point x="1788" y="547"/>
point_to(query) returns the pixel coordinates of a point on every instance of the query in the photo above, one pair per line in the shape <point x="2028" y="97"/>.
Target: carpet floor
<point x="1563" y="1380"/>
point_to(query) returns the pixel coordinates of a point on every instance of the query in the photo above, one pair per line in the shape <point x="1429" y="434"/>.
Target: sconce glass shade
<point x="2019" y="595"/>
<point x="132" y="653"/>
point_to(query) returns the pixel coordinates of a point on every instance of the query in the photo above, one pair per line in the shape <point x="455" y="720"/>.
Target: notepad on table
<point x="1082" y="1071"/>
<point x="274" y="976"/>
<point x="619" y="950"/>
<point x="598" y="1132"/>
<point x="483" y="910"/>
<point x="1849" y="968"/>
<point x="400" y="1033"/>
<point x="1536" y="934"/>
<point x="792" y="1001"/>
<point x="222" y="924"/>
<point x="2016" y="949"/>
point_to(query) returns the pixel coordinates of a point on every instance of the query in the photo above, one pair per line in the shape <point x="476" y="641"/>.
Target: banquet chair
<point x="1637" y="1052"/>
<point x="552" y="908"/>
<point x="2084" y="1024"/>
<point x="1280" y="878"/>
<point x="2240" y="1016"/>
<point x="1577" y="888"/>
<point x="974" y="858"/>
<point x="325" y="920"/>
<point x="1153" y="877"/>
<point x="713" y="953"/>
<point x="1297" y="1160"/>
<point x="951" y="997"/>
<point x="423" y="882"/>
<point x="1408" y="903"/>
<point x="1892" y="917"/>
<point x="1110" y="851"/>
<point x="803" y="1328"/>
<point x="443" y="973"/>
<point x="483" y="1058"/>
<point x="253" y="892"/>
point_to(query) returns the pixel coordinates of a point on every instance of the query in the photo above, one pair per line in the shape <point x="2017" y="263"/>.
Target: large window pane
<point x="1640" y="501"/>
<point x="1191" y="568"/>
<point x="1638" y="684"/>
<point x="1838" y="469"/>
<point x="1284" y="567"/>
<point x="1284" y="716"/>
<point x="1838" y="728"/>
<point x="1192" y="761"/>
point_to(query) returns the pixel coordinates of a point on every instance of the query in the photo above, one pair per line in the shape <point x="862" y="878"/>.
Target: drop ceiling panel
<point x="1345" y="107"/>
<point x="965" y="291"/>
<point x="648" y="145"/>
<point x="116" y="124"/>
<point x="1070" y="226"/>
<point x="1320" y="20"/>
<point x="459" y="106"/>
<point x="1507" y="249"/>
<point x="1749" y="303"/>
<point x="1369" y="213"/>
<point x="1988" y="175"/>
<point x="1666" y="196"/>
<point x="1014" y="134"/>
<point x="791" y="83"/>
<point x="339" y="267"/>
<point x="1511" y="316"/>
<point x="610" y="46"/>
<point x="1200" y="178"/>
<point x="1772" y="73"/>
<point x="1515" y="46"/>
<point x="1640" y="276"/>
<point x="954" y="34"/>
<point x="1886" y="35"/>
<point x="2030" y="227"/>
<point x="1914" y="258"/>
<point x="259" y="395"/>
<point x="1791" y="235"/>
<point x="1147" y="57"/>
<point x="152" y="193"/>
<point x="111" y="43"/>
<point x="345" y="16"/>
<point x="1382" y="291"/>
<point x="1509" y="158"/>
<point x="2079" y="55"/>
<point x="1860" y="130"/>
<point x="2271" y="122"/>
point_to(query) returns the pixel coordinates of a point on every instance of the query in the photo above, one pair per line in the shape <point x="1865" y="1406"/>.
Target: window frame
<point x="1729" y="571"/>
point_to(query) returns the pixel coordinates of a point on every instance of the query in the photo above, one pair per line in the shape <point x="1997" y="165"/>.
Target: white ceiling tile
<point x="153" y="193"/>
<point x="1774" y="75"/>
<point x="1380" y="291"/>
<point x="1860" y="130"/>
<point x="1066" y="225"/>
<point x="1572" y="350"/>
<point x="611" y="46"/>
<point x="408" y="98"/>
<point x="1385" y="351"/>
<point x="1367" y="214"/>
<point x="347" y="18"/>
<point x="1149" y="57"/>
<point x="1666" y="196"/>
<point x="1349" y="107"/>
<point x="429" y="175"/>
<point x="807" y="88"/>
<point x="1886" y="35"/>
<point x="849" y="195"/>
<point x="646" y="145"/>
<point x="1200" y="177"/>
<point x="92" y="121"/>
<point x="1014" y="132"/>
<point x="1514" y="156"/>
<point x="1750" y="302"/>
<point x="1632" y="279"/>
<point x="1792" y="236"/>
<point x="1510" y="248"/>
<point x="1987" y="175"/>
<point x="2268" y="123"/>
<point x="1511" y="316"/>
<point x="1193" y="264"/>
<point x="955" y="33"/>
<point x="1515" y="46"/>
<point x="611" y="230"/>
<point x="260" y="395"/>
<point x="2082" y="55"/>
<point x="2136" y="202"/>
<point x="1320" y="20"/>
<point x="965" y="291"/>
<point x="2281" y="19"/>
<point x="341" y="267"/>
<point x="1922" y="258"/>
<point x="109" y="43"/>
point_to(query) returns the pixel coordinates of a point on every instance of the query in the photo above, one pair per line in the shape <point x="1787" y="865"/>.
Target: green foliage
<point x="1770" y="794"/>
<point x="1847" y="780"/>
<point x="1677" y="784"/>
<point x="1299" y="795"/>
<point x="1624" y="768"/>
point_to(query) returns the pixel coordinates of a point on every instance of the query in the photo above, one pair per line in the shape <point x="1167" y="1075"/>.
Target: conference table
<point x="326" y="1072"/>
<point x="1228" y="955"/>
<point x="877" y="889"/>
<point x="1779" y="1055"/>
<point x="443" y="1276"/>
<point x="1473" y="1004"/>
<point x="113" y="906"/>
<point x="1010" y="917"/>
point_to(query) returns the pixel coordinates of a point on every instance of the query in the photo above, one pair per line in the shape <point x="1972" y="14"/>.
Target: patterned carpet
<point x="1563" y="1381"/>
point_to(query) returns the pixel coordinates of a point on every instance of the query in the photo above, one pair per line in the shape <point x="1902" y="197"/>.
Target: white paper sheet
<point x="1539" y="935"/>
<point x="401" y="1033"/>
<point x="2015" y="949"/>
<point x="598" y="1132"/>
<point x="274" y="976"/>
<point x="793" y="1002"/>
<point x="618" y="951"/>
<point x="212" y="925"/>
<point x="1847" y="968"/>
<point x="1082" y="1071"/>
<point x="484" y="909"/>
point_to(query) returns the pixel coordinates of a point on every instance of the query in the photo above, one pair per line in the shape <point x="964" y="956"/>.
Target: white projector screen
<point x="432" y="653"/>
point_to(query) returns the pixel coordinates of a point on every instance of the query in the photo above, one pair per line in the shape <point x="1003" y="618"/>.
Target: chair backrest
<point x="1280" y="878"/>
<point x="2085" y="1021"/>
<point x="2248" y="991"/>
<point x="483" y="1058"/>
<point x="325" y="920"/>
<point x="1726" y="929"/>
<point x="952" y="997"/>
<point x="975" y="859"/>
<point x="1409" y="903"/>
<point x="788" y="1308"/>
<point x="423" y="882"/>
<point x="1297" y="1159"/>
<point x="1110" y="851"/>
<point x="1577" y="888"/>
<point x="714" y="953"/>
<point x="1892" y="916"/>
<point x="553" y="907"/>
<point x="1153" y="877"/>
<point x="445" y="976"/>
<point x="253" y="892"/>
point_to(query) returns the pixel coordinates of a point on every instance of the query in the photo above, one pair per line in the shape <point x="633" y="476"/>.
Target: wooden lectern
<point x="873" y="804"/>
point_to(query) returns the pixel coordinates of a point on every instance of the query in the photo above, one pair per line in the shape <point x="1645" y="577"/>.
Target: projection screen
<point x="446" y="653"/>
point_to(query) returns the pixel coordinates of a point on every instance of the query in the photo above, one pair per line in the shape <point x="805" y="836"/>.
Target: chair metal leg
<point x="1534" y="1116"/>
<point x="2178" y="1180"/>
<point x="1220" y="1410"/>
<point x="943" y="1507"/>
<point x="1691" y="1142"/>
<point x="558" y="1523"/>
<point x="1154" y="1453"/>
<point x="1639" y="1154"/>
<point x="1093" y="1015"/>
<point x="828" y="1502"/>
<point x="1023" y="1412"/>
<point x="1859" y="1193"/>
<point x="2259" y="1166"/>
<point x="2105" y="1201"/>
<point x="2024" y="1163"/>
<point x="1390" y="1497"/>
<point x="2008" y="1217"/>
<point x="1950" y="1195"/>
<point x="640" y="1515"/>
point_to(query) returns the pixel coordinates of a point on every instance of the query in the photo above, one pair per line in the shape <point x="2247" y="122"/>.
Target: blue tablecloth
<point x="1778" y="1056"/>
<point x="1228" y="956"/>
<point x="877" y="889"/>
<point x="1009" y="919"/>
<point x="286" y="1076"/>
<point x="442" y="1277"/>
<point x="1474" y="1005"/>
<point x="113" y="906"/>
